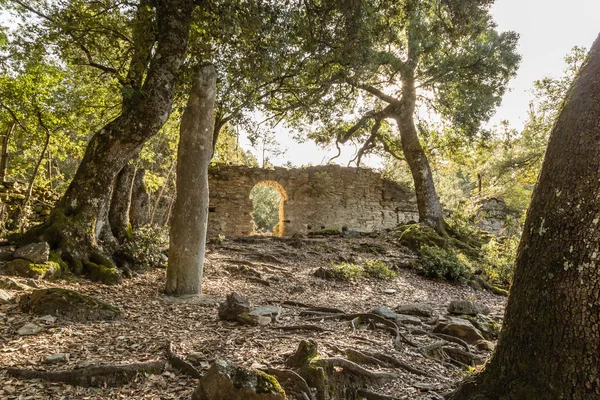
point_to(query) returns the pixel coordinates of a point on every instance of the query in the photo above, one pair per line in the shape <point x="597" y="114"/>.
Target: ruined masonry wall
<point x="321" y="197"/>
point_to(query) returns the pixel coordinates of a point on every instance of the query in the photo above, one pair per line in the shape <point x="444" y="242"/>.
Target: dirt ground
<point x="286" y="268"/>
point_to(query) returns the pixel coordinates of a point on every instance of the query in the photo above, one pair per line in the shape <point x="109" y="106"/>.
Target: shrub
<point x="437" y="262"/>
<point x="143" y="248"/>
<point x="378" y="270"/>
<point x="346" y="271"/>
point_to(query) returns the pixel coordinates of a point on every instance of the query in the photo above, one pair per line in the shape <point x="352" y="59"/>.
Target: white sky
<point x="548" y="30"/>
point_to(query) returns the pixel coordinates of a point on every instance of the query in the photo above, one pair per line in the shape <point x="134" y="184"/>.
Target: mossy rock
<point x="28" y="269"/>
<point x="414" y="236"/>
<point x="227" y="381"/>
<point x="101" y="273"/>
<point x="68" y="304"/>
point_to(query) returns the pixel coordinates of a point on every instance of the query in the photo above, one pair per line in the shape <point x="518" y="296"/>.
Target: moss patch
<point x="101" y="273"/>
<point x="28" y="269"/>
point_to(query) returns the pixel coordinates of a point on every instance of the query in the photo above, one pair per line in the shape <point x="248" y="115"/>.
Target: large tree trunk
<point x="4" y="151"/>
<point x="118" y="215"/>
<point x="190" y="214"/>
<point x="77" y="215"/>
<point x="428" y="203"/>
<point x="550" y="344"/>
<point x="139" y="210"/>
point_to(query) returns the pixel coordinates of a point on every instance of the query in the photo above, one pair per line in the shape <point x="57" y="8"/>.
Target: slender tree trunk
<point x="49" y="169"/>
<point x="121" y="140"/>
<point x="550" y="343"/>
<point x="118" y="215"/>
<point x="190" y="213"/>
<point x="428" y="203"/>
<point x="20" y="214"/>
<point x="139" y="211"/>
<point x="162" y="192"/>
<point x="4" y="151"/>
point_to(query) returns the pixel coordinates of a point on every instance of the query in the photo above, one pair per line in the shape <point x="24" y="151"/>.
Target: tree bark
<point x="190" y="214"/>
<point x="76" y="216"/>
<point x="139" y="211"/>
<point x="550" y="341"/>
<point x="4" y="151"/>
<point x="118" y="215"/>
<point x="428" y="203"/>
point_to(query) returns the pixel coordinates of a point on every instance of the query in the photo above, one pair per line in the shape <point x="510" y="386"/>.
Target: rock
<point x="101" y="273"/>
<point x="6" y="253"/>
<point x="11" y="284"/>
<point x="5" y="297"/>
<point x="460" y="328"/>
<point x="233" y="306"/>
<point x="298" y="289"/>
<point x="47" y="319"/>
<point x="57" y="358"/>
<point x="486" y="325"/>
<point x="466" y="307"/>
<point x="390" y="291"/>
<point x="272" y="312"/>
<point x="385" y="312"/>
<point x="277" y="278"/>
<point x="69" y="304"/>
<point x="36" y="253"/>
<point x="418" y="309"/>
<point x="228" y="381"/>
<point x="29" y="329"/>
<point x="485" y="345"/>
<point x="27" y="269"/>
<point x="408" y="319"/>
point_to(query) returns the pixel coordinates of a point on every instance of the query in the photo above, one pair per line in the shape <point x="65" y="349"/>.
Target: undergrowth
<point x="143" y="249"/>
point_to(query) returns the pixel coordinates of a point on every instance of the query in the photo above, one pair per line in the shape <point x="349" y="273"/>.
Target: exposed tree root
<point x="390" y="325"/>
<point x="95" y="376"/>
<point x="489" y="287"/>
<point x="310" y="307"/>
<point x="452" y="339"/>
<point x="180" y="364"/>
<point x="301" y="328"/>
<point x="384" y="360"/>
<point x="367" y="394"/>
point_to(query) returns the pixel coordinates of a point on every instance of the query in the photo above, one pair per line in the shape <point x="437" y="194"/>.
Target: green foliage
<point x="143" y="249"/>
<point x="498" y="258"/>
<point x="266" y="201"/>
<point x="447" y="264"/>
<point x="377" y="269"/>
<point x="346" y="271"/>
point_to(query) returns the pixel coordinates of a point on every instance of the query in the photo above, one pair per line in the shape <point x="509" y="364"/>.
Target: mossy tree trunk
<point x="79" y="218"/>
<point x="190" y="213"/>
<point x="550" y="342"/>
<point x="4" y="150"/>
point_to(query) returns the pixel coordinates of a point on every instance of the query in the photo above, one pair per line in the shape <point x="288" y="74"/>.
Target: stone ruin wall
<point x="315" y="198"/>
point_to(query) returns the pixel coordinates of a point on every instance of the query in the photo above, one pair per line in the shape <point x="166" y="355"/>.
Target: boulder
<point x="5" y="297"/>
<point x="29" y="329"/>
<point x="488" y="327"/>
<point x="233" y="306"/>
<point x="36" y="253"/>
<point x="69" y="304"/>
<point x="466" y="307"/>
<point x="460" y="328"/>
<point x="408" y="319"/>
<point x="384" y="311"/>
<point x="417" y="309"/>
<point x="28" y="269"/>
<point x="485" y="345"/>
<point x="228" y="381"/>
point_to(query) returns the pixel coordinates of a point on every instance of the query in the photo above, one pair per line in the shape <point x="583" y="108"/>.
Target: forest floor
<point x="286" y="267"/>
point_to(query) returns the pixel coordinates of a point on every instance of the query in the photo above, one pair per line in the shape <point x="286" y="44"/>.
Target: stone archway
<point x="278" y="229"/>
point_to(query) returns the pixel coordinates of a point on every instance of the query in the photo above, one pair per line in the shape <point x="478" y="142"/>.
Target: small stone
<point x="29" y="329"/>
<point x="390" y="291"/>
<point x="57" y="358"/>
<point x="32" y="283"/>
<point x="485" y="345"/>
<point x="233" y="306"/>
<point x="272" y="312"/>
<point x="277" y="278"/>
<point x="47" y="319"/>
<point x="408" y="319"/>
<point x="418" y="309"/>
<point x="466" y="307"/>
<point x="384" y="311"/>
<point x="5" y="297"/>
<point x="36" y="253"/>
<point x="196" y="357"/>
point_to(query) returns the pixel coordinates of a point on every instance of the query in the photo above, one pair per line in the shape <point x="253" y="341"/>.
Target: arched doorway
<point x="268" y="198"/>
